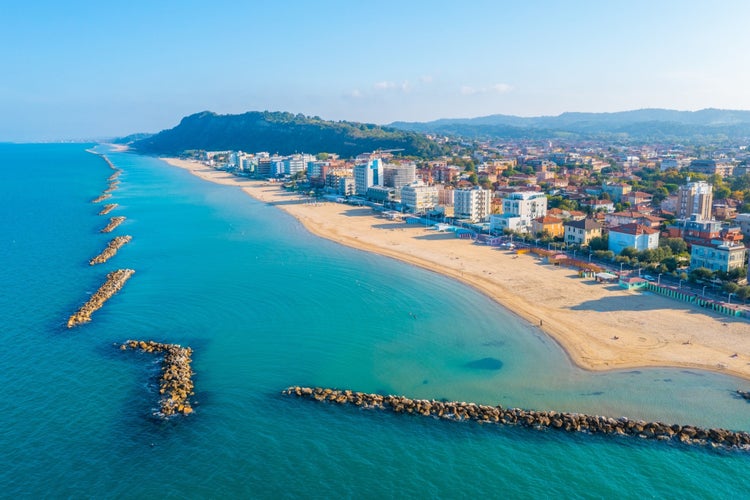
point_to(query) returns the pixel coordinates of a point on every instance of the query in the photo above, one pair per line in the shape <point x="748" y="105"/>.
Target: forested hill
<point x="641" y="124"/>
<point x="283" y="133"/>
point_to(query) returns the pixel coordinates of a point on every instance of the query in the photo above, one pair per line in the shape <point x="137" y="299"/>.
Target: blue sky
<point x="98" y="69"/>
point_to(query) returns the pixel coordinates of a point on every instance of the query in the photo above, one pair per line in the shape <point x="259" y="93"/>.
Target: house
<point x="580" y="232"/>
<point x="633" y="235"/>
<point x="549" y="224"/>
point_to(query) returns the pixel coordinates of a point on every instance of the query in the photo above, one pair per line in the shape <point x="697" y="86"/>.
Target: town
<point x="676" y="215"/>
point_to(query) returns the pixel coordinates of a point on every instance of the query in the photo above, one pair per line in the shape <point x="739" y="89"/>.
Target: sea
<point x="265" y="305"/>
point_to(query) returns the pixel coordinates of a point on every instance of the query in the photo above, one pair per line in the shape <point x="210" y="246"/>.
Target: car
<point x="648" y="277"/>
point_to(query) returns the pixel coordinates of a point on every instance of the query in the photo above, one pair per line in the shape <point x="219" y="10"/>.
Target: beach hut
<point x="634" y="283"/>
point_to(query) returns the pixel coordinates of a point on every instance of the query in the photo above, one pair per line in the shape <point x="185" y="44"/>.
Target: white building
<point x="398" y="176"/>
<point x="419" y="198"/>
<point x="367" y="175"/>
<point x="633" y="235"/>
<point x="695" y="198"/>
<point x="473" y="204"/>
<point x="519" y="209"/>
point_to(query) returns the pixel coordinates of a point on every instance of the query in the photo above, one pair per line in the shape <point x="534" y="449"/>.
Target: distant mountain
<point x="130" y="139"/>
<point x="642" y="124"/>
<point x="283" y="133"/>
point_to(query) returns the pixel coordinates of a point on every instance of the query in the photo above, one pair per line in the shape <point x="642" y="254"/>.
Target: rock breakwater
<point x="176" y="379"/>
<point x="115" y="281"/>
<point x="569" y="422"/>
<point x="101" y="197"/>
<point x="108" y="208"/>
<point x="112" y="247"/>
<point x="113" y="223"/>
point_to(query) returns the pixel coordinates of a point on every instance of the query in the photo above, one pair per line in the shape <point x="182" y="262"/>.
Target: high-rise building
<point x="519" y="210"/>
<point x="695" y="198"/>
<point x="473" y="204"/>
<point x="419" y="198"/>
<point x="367" y="175"/>
<point x="398" y="176"/>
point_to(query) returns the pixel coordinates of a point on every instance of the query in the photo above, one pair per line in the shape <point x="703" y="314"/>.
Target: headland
<point x="601" y="327"/>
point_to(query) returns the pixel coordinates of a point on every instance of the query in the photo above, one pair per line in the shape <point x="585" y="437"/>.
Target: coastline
<point x="600" y="327"/>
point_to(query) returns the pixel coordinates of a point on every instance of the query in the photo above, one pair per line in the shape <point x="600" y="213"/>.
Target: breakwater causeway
<point x="112" y="247"/>
<point x="569" y="422"/>
<point x="113" y="223"/>
<point x="115" y="281"/>
<point x="176" y="380"/>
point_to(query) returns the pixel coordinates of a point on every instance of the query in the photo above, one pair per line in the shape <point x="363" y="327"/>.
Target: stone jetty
<point x="101" y="197"/>
<point x="112" y="247"/>
<point x="113" y="223"/>
<point x="176" y="379"/>
<point x="115" y="281"/>
<point x="569" y="422"/>
<point x="108" y="208"/>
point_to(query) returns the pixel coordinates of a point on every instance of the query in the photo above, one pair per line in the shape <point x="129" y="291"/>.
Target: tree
<point x="700" y="273"/>
<point x="599" y="243"/>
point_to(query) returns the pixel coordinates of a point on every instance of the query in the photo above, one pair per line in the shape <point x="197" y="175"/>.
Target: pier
<point x="553" y="420"/>
<point x="176" y="379"/>
<point x="112" y="247"/>
<point x="113" y="223"/>
<point x="115" y="281"/>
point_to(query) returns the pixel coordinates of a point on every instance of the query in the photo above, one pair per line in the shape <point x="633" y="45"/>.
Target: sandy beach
<point x="600" y="326"/>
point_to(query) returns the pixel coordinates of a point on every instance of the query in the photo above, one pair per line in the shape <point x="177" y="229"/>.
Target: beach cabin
<point x="634" y="283"/>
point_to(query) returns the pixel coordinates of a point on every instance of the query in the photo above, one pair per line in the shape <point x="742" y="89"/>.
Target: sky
<point x="83" y="70"/>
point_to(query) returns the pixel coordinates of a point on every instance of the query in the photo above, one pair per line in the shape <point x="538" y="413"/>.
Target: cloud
<point x="404" y="86"/>
<point x="355" y="93"/>
<point x="498" y="88"/>
<point x="426" y="78"/>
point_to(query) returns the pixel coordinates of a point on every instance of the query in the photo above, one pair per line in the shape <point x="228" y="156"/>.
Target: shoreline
<point x="600" y="327"/>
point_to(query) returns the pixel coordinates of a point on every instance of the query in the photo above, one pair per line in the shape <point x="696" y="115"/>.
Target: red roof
<point x="634" y="229"/>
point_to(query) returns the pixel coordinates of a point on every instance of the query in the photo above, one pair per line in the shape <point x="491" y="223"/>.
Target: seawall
<point x="569" y="422"/>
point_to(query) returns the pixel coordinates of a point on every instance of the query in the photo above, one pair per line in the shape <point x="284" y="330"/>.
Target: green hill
<point x="283" y="133"/>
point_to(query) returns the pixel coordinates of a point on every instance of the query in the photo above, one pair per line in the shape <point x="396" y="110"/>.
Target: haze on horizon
<point x="93" y="69"/>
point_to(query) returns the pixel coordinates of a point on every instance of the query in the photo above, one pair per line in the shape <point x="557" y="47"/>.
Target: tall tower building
<point x="367" y="175"/>
<point x="695" y="198"/>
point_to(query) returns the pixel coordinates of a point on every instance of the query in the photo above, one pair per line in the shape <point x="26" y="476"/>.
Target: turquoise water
<point x="264" y="305"/>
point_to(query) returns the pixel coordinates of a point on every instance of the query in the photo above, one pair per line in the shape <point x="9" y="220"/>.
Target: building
<point x="616" y="191"/>
<point x="380" y="194"/>
<point x="694" y="229"/>
<point x="695" y="198"/>
<point x="630" y="216"/>
<point x="367" y="175"/>
<point x="743" y="221"/>
<point x="519" y="209"/>
<point x="718" y="255"/>
<point x="473" y="204"/>
<point x="580" y="232"/>
<point x="711" y="167"/>
<point x="419" y="198"/>
<point x="548" y="224"/>
<point x="633" y="235"/>
<point x="398" y="176"/>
